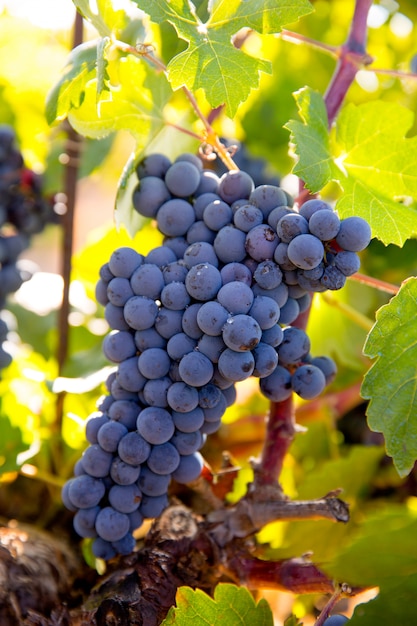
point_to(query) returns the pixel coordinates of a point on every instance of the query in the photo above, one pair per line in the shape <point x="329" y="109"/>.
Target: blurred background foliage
<point x="38" y="448"/>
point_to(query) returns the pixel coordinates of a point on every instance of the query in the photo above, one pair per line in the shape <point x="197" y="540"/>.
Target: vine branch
<point x="281" y="426"/>
<point x="72" y="153"/>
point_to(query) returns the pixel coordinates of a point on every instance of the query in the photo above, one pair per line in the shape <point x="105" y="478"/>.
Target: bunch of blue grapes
<point x="24" y="211"/>
<point x="210" y="307"/>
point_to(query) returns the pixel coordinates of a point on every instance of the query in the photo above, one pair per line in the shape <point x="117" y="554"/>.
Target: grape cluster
<point x="210" y="307"/>
<point x="23" y="212"/>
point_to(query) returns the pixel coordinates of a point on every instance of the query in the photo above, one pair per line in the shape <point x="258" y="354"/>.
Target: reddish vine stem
<point x="281" y="423"/>
<point x="279" y="434"/>
<point x="72" y="154"/>
<point x="382" y="285"/>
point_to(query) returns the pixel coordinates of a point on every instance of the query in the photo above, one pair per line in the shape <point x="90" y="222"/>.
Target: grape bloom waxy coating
<point x="212" y="306"/>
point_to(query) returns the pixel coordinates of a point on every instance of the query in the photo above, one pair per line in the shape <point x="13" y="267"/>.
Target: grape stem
<point x="382" y="285"/>
<point x="281" y="426"/>
<point x="342" y="590"/>
<point x="210" y="136"/>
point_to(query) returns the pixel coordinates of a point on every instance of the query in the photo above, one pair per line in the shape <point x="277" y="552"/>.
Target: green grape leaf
<point x="211" y="62"/>
<point x="391" y="382"/>
<point x="106" y="19"/>
<point x="369" y="559"/>
<point x="369" y="156"/>
<point x="11" y="444"/>
<point x="310" y="137"/>
<point x="381" y="168"/>
<point x="396" y="602"/>
<point x="135" y="104"/>
<point x="231" y="605"/>
<point x="102" y="75"/>
<point x="69" y="91"/>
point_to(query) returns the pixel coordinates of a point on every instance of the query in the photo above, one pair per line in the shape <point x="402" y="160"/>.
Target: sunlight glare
<point x="49" y="14"/>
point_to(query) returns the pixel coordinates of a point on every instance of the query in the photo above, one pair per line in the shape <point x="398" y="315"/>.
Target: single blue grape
<point x="188" y="422"/>
<point x="212" y="317"/>
<point x="241" y="332"/>
<point x="199" y="232"/>
<point x="119" y="291"/>
<point x="174" y="272"/>
<point x="308" y="381"/>
<point x="276" y="386"/>
<point x="312" y="206"/>
<point x="153" y="506"/>
<point x="189" y="321"/>
<point x="229" y="244"/>
<point x="125" y="412"/>
<point x="247" y="217"/>
<point x="187" y="443"/>
<point x="115" y="318"/>
<point x="236" y="297"/>
<point x="234" y="185"/>
<point x="182" y="178"/>
<point x="266" y="360"/>
<point x="118" y="345"/>
<point x="200" y="252"/>
<point x="97" y="461"/>
<point x="154" y="363"/>
<point x="203" y="281"/>
<point x="147" y="280"/>
<point x="179" y="345"/>
<point x="267" y="198"/>
<point x="217" y="214"/>
<point x="189" y="468"/>
<point x="175" y="217"/>
<point x="123" y="473"/>
<point x="140" y="312"/>
<point x="111" y="525"/>
<point x="125" y="498"/>
<point x="152" y="484"/>
<point x="133" y="449"/>
<point x="232" y="272"/>
<point x="211" y="347"/>
<point x="261" y="242"/>
<point x="84" y="522"/>
<point x="85" y="491"/>
<point x="354" y="234"/>
<point x="155" y="164"/>
<point x="155" y="425"/>
<point x="265" y="312"/>
<point x="268" y="275"/>
<point x="236" y="366"/>
<point x="305" y="251"/>
<point x="294" y="346"/>
<point x="163" y="459"/>
<point x="168" y="322"/>
<point x="195" y="369"/>
<point x="110" y="434"/>
<point x="149" y="195"/>
<point x="347" y="262"/>
<point x="129" y="376"/>
<point x="182" y="397"/>
<point x="290" y="226"/>
<point x="103" y="549"/>
<point x="324" y="224"/>
<point x="161" y="256"/>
